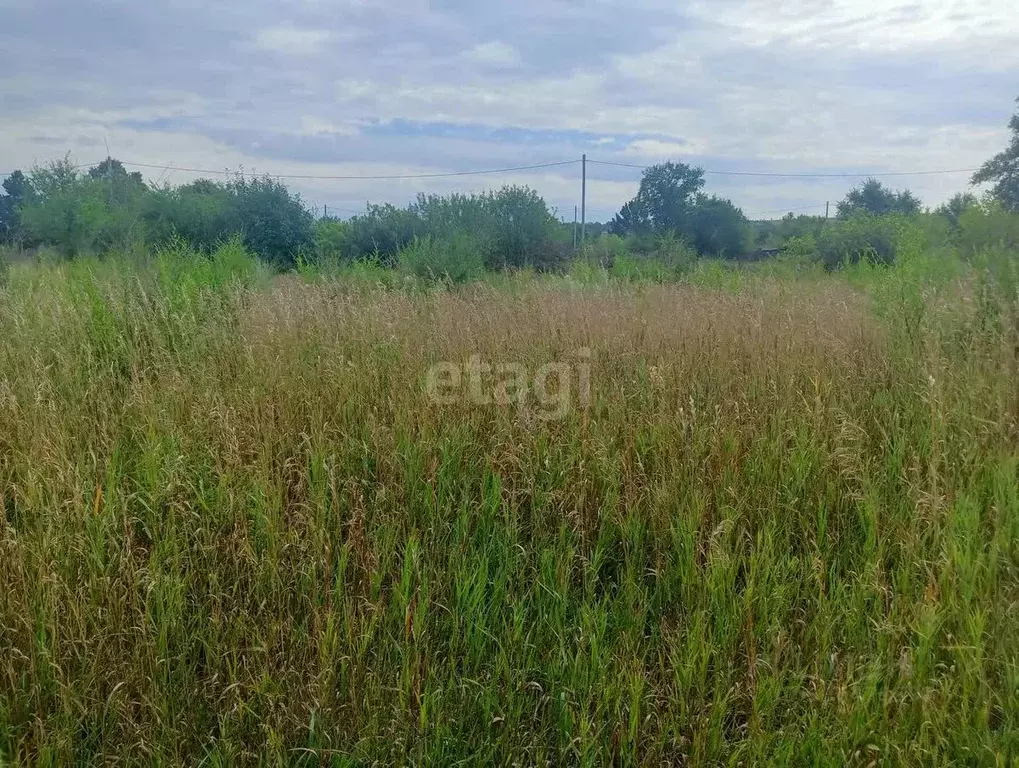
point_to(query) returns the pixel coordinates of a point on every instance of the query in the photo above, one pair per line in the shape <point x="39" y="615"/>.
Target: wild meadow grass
<point x="234" y="528"/>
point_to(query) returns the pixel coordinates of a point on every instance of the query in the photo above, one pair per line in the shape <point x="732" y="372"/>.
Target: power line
<point x="345" y="210"/>
<point x="803" y="175"/>
<point x="75" y="167"/>
<point x="537" y="166"/>
<point x="786" y="210"/>
<point x="363" y="178"/>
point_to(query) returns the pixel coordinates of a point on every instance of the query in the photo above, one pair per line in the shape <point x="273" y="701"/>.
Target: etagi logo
<point x="547" y="392"/>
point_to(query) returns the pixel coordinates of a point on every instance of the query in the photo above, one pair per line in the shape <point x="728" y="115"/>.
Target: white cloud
<point x="288" y="39"/>
<point x="493" y="54"/>
<point x="764" y="85"/>
<point x="657" y="149"/>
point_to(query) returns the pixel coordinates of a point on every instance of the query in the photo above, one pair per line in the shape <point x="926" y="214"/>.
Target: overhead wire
<point x="777" y="175"/>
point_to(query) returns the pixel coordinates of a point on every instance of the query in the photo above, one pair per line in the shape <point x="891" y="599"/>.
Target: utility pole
<point x="574" y="226"/>
<point x="583" y="197"/>
<point x="325" y="211"/>
<point x="826" y="204"/>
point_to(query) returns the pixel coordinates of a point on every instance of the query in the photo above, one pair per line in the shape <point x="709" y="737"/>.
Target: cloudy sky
<point x="404" y="87"/>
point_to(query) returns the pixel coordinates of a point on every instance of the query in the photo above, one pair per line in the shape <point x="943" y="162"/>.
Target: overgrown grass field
<point x="236" y="529"/>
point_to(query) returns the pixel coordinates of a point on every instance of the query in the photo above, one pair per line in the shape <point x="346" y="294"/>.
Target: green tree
<point x="875" y="198"/>
<point x="954" y="208"/>
<point x="18" y="190"/>
<point x="79" y="213"/>
<point x="670" y="201"/>
<point x="198" y="212"/>
<point x="668" y="192"/>
<point x="715" y="226"/>
<point x="1003" y="171"/>
<point x="272" y="221"/>
<point x="632" y="219"/>
<point x="121" y="187"/>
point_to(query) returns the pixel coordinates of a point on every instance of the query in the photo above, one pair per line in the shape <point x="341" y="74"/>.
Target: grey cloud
<point x="740" y="84"/>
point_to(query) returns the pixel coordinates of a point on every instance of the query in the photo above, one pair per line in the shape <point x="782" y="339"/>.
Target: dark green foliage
<point x="330" y="240"/>
<point x="670" y="200"/>
<point x="775" y="234"/>
<point x="875" y="198"/>
<point x="513" y="225"/>
<point x="715" y="226"/>
<point x="9" y="219"/>
<point x="1002" y="171"/>
<point x="78" y="213"/>
<point x="198" y="213"/>
<point x="632" y="219"/>
<point x="861" y="236"/>
<point x="667" y="194"/>
<point x="273" y="221"/>
<point x="381" y="232"/>
<point x="954" y="208"/>
<point x="18" y="187"/>
<point x="512" y="228"/>
<point x="457" y="258"/>
<point x="989" y="226"/>
<point x="18" y="190"/>
<point x="111" y="209"/>
<point x="121" y="187"/>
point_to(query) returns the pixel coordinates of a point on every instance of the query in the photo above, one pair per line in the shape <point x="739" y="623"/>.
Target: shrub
<point x="81" y="214"/>
<point x="512" y="227"/>
<point x="861" y="236"/>
<point x="199" y="213"/>
<point x="111" y="210"/>
<point x="603" y="251"/>
<point x="514" y="223"/>
<point x="716" y="227"/>
<point x="381" y="232"/>
<point x="458" y="259"/>
<point x="801" y="247"/>
<point x="180" y="268"/>
<point x="987" y="226"/>
<point x="272" y="221"/>
<point x="331" y="241"/>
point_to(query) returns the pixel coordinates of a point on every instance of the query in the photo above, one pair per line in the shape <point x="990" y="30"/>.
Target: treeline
<point x="670" y="222"/>
<point x="108" y="208"/>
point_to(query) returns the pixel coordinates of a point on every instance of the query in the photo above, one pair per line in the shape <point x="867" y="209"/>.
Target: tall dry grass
<point x="235" y="529"/>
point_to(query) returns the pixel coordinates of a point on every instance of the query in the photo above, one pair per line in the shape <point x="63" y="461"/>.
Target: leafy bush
<point x="380" y="233"/>
<point x="199" y="213"/>
<point x="777" y="234"/>
<point x="802" y="247"/>
<point x="512" y="227"/>
<point x="82" y="213"/>
<point x="109" y="209"/>
<point x="17" y="191"/>
<point x="669" y="200"/>
<point x="458" y="259"/>
<point x="271" y="219"/>
<point x="179" y="267"/>
<point x="987" y="226"/>
<point x="603" y="251"/>
<point x="861" y="236"/>
<point x="716" y="227"/>
<point x="954" y="208"/>
<point x="874" y="198"/>
<point x="331" y="241"/>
